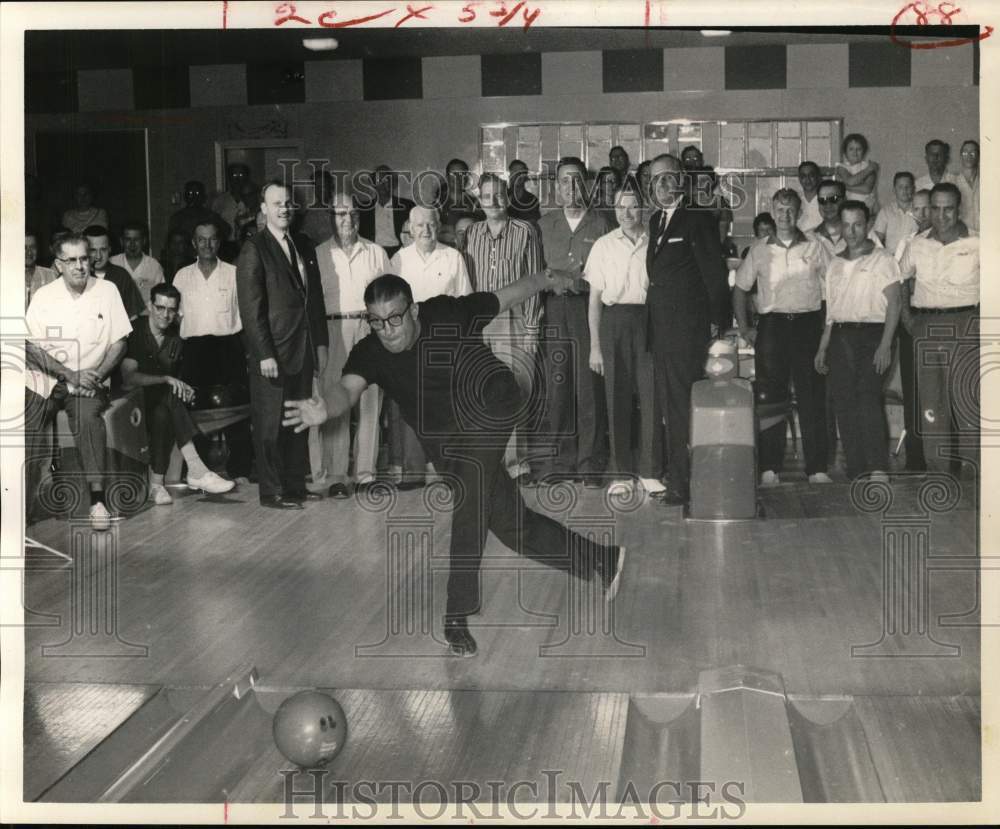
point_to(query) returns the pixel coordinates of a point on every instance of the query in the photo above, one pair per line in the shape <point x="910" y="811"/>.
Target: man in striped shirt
<point x="498" y="251"/>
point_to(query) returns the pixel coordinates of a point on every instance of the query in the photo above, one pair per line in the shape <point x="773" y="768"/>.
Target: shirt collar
<point x="275" y="233"/>
<point x="798" y="238"/>
<point x="620" y="234"/>
<point x="963" y="233"/>
<point x="843" y="254"/>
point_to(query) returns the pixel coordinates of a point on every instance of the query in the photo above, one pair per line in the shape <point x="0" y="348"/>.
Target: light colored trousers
<point x="330" y="444"/>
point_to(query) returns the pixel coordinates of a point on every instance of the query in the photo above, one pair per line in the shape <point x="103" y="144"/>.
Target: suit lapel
<point x="278" y="253"/>
<point x="673" y="225"/>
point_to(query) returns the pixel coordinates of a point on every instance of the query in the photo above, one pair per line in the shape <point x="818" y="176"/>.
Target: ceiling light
<point x="715" y="32"/>
<point x="320" y="44"/>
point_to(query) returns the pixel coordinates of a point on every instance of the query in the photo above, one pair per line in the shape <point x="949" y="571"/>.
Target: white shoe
<point x="159" y="495"/>
<point x="210" y="483"/>
<point x="652" y="485"/>
<point x="621" y="488"/>
<point x="612" y="589"/>
<point x="770" y="478"/>
<point x="100" y="518"/>
<point x="820" y="478"/>
<point x="879" y="477"/>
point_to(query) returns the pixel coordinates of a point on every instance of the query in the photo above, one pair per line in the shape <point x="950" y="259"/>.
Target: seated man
<point x="77" y="327"/>
<point x="152" y="359"/>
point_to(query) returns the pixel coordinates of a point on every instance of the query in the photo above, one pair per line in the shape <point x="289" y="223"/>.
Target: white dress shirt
<point x="789" y="279"/>
<point x="345" y="277"/>
<point x="946" y="276"/>
<point x="617" y="268"/>
<point x="147" y="274"/>
<point x="443" y="271"/>
<point x="208" y="306"/>
<point x="855" y="287"/>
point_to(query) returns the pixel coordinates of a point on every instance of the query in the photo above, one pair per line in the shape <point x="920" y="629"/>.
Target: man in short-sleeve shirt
<point x="944" y="262"/>
<point x="463" y="402"/>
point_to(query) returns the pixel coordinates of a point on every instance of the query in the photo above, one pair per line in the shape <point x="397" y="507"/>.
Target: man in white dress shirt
<point x="347" y="263"/>
<point x="143" y="268"/>
<point x="431" y="269"/>
<point x="214" y="356"/>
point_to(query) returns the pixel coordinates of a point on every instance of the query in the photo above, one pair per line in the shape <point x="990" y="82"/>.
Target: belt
<point x="858" y="325"/>
<point x="354" y="315"/>
<point x="796" y="315"/>
<point x="956" y="310"/>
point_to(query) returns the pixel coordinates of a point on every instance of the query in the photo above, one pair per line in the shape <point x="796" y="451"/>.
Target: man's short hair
<point x="238" y="165"/>
<point x="947" y="187"/>
<point x="763" y="218"/>
<point x="629" y="188"/>
<point x="96" y="231"/>
<point x="937" y="142"/>
<point x="274" y="182"/>
<point x="812" y="164"/>
<point x="206" y="223"/>
<point x="665" y="157"/>
<point x="923" y="191"/>
<point x="643" y="165"/>
<point x="67" y="237"/>
<point x="135" y="225"/>
<point x="903" y="174"/>
<point x="854" y="204"/>
<point x="832" y="182"/>
<point x="516" y="161"/>
<point x="386" y="288"/>
<point x="571" y="161"/>
<point x="455" y="161"/>
<point x="193" y="183"/>
<point x="786" y="195"/>
<point x="165" y="289"/>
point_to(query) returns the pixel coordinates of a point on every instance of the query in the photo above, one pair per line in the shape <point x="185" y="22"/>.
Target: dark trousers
<point x="577" y="416"/>
<point x="857" y="397"/>
<point x="486" y="499"/>
<point x="405" y="450"/>
<point x="168" y="421"/>
<point x="908" y="378"/>
<point x="628" y="370"/>
<point x="786" y="349"/>
<point x="220" y="361"/>
<point x="947" y="357"/>
<point x="282" y="454"/>
<point x="679" y="335"/>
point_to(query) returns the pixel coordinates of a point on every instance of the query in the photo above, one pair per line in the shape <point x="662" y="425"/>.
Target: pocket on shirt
<point x="93" y="331"/>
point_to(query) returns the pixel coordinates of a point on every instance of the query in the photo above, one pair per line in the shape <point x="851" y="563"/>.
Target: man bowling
<point x="463" y="409"/>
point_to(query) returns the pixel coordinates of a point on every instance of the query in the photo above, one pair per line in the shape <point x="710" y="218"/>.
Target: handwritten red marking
<point x="922" y="13"/>
<point x="225" y="812"/>
<point x="288" y="9"/>
<point x="468" y="9"/>
<point x="343" y="24"/>
<point x="530" y="17"/>
<point x="503" y="13"/>
<point x="412" y="12"/>
<point x="225" y="12"/>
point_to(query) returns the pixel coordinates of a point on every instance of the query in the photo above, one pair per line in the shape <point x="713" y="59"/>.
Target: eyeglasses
<point x="164" y="309"/>
<point x="828" y="199"/>
<point x="396" y="320"/>
<point x="76" y="260"/>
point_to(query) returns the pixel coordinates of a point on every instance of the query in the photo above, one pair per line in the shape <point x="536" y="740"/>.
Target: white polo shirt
<point x="145" y="276"/>
<point x="443" y="271"/>
<point x="345" y="277"/>
<point x="855" y="287"/>
<point x="208" y="306"/>
<point x="617" y="268"/>
<point x="789" y="279"/>
<point x="946" y="276"/>
<point x="76" y="329"/>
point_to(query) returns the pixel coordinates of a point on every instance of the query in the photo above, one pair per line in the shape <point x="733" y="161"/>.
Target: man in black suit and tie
<point x="382" y="222"/>
<point x="284" y="327"/>
<point x="688" y="294"/>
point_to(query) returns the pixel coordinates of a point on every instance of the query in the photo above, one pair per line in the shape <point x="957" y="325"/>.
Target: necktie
<point x="294" y="258"/>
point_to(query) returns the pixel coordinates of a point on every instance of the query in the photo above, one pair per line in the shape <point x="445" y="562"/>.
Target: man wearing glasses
<point x="77" y="327"/>
<point x="430" y="357"/>
<point x="152" y="360"/>
<point x="829" y="233"/>
<point x="347" y="263"/>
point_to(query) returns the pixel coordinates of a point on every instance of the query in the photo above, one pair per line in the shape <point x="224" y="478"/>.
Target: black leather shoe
<point x="339" y="491"/>
<point x="670" y="498"/>
<point x="456" y="634"/>
<point x="304" y="495"/>
<point x="279" y="502"/>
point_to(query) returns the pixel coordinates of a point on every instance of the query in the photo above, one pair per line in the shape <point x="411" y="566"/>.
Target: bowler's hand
<point x="269" y="368"/>
<point x="181" y="389"/>
<point x="304" y="413"/>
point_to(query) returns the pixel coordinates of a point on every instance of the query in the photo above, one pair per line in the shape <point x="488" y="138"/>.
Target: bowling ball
<point x="310" y="729"/>
<point x="218" y="397"/>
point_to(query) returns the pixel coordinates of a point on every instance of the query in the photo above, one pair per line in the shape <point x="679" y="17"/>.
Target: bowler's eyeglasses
<point x="75" y="260"/>
<point x="394" y="321"/>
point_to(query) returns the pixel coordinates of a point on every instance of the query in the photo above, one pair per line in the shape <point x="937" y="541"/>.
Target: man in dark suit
<point x="382" y="221"/>
<point x="284" y="328"/>
<point x="688" y="294"/>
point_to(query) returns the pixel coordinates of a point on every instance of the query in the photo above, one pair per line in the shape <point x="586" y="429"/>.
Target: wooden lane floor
<point x="314" y="599"/>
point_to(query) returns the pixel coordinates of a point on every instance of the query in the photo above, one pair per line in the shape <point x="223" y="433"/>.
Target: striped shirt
<point x="496" y="261"/>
